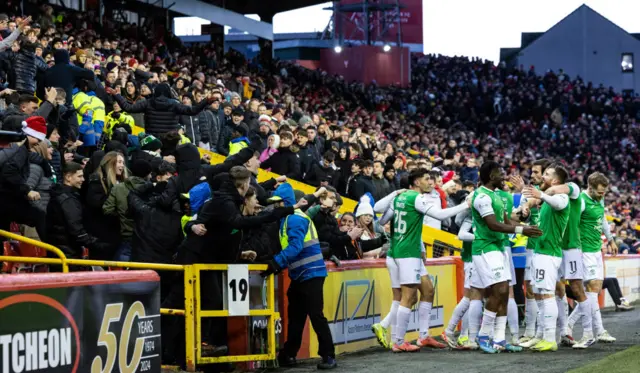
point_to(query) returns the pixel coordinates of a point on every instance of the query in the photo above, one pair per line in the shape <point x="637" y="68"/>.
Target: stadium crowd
<point x="89" y="184"/>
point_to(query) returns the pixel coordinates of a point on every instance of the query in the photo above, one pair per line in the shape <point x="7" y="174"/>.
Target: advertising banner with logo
<point x="84" y="322"/>
<point x="626" y="268"/>
<point x="410" y="21"/>
<point x="356" y="298"/>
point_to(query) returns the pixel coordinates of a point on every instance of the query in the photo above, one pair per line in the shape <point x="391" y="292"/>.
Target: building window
<point x="627" y="62"/>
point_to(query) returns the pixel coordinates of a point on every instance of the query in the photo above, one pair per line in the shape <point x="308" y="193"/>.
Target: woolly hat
<point x="141" y="168"/>
<point x="151" y="143"/>
<point x="364" y="207"/>
<point x="264" y="120"/>
<point x="35" y="127"/>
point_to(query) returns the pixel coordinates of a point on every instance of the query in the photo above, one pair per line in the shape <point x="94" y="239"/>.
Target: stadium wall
<point x="626" y="268"/>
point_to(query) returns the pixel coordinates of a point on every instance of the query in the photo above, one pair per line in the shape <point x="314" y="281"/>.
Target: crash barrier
<point x="429" y="235"/>
<point x="235" y="295"/>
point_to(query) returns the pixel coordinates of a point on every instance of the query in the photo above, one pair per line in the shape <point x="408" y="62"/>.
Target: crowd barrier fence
<point x="235" y="294"/>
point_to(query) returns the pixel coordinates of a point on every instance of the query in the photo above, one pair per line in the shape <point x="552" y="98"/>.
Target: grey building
<point x="584" y="44"/>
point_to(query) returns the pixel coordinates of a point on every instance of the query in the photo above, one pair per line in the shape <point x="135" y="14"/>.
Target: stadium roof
<point x="262" y="6"/>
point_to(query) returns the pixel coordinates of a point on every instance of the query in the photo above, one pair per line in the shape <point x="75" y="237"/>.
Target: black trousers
<point x="306" y="299"/>
<point x="16" y="210"/>
<point x="518" y="293"/>
<point x="214" y="330"/>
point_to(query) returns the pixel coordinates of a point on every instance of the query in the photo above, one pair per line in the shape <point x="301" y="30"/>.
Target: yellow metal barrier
<point x="193" y="314"/>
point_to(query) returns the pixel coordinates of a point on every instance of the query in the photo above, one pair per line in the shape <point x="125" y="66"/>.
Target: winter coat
<point x="40" y="183"/>
<point x="363" y="184"/>
<point x="382" y="188"/>
<point x="319" y="173"/>
<point x="329" y="231"/>
<point x="15" y="173"/>
<point x="263" y="240"/>
<point x="214" y="130"/>
<point x="469" y="174"/>
<point x="103" y="227"/>
<point x="161" y="113"/>
<point x="65" y="224"/>
<point x="116" y="204"/>
<point x="306" y="154"/>
<point x="226" y="133"/>
<point x="206" y="119"/>
<point x="156" y="231"/>
<point x="26" y="65"/>
<point x="64" y="75"/>
<point x="224" y="221"/>
<point x="191" y="125"/>
<point x="284" y="162"/>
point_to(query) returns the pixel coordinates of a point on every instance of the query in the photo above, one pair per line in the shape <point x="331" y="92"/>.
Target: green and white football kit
<point x="571" y="267"/>
<point x="490" y="261"/>
<point x="534" y="219"/>
<point x="465" y="222"/>
<point x="547" y="254"/>
<point x="592" y="225"/>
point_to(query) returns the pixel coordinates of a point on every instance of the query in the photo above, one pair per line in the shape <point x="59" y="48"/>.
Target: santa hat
<point x="35" y="127"/>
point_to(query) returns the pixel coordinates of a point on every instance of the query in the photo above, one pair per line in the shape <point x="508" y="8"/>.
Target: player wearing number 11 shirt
<point x="406" y="259"/>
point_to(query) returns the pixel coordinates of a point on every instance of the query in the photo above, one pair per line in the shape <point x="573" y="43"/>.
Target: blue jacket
<point x="304" y="263"/>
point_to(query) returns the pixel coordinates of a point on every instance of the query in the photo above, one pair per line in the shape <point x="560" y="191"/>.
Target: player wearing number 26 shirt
<point x="406" y="260"/>
<point x="301" y="253"/>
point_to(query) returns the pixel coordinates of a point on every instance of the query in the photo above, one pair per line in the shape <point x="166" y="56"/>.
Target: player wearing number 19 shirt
<point x="492" y="271"/>
<point x="547" y="256"/>
<point x="407" y="267"/>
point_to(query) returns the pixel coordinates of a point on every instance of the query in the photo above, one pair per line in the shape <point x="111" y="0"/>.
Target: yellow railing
<point x="192" y="305"/>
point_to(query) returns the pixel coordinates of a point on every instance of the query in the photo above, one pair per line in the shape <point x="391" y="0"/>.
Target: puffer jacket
<point x="117" y="205"/>
<point x="40" y="183"/>
<point x="26" y="65"/>
<point x="206" y="118"/>
<point x="161" y="113"/>
<point x="214" y="130"/>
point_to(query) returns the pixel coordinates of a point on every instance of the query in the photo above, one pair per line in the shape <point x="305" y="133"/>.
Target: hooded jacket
<point x="192" y="128"/>
<point x="161" y="113"/>
<point x="65" y="75"/>
<point x="303" y="257"/>
<point x="117" y="205"/>
<point x="224" y="221"/>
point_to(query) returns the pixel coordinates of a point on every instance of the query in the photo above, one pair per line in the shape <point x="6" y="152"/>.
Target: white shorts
<point x="490" y="268"/>
<point x="468" y="273"/>
<point x="593" y="266"/>
<point x="405" y="271"/>
<point x="572" y="267"/>
<point x="527" y="266"/>
<point x="513" y="280"/>
<point x="545" y="269"/>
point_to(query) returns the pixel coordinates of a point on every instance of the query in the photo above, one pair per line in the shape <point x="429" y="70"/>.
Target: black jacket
<point x="328" y="231"/>
<point x="65" y="223"/>
<point x="161" y="113"/>
<point x="363" y="184"/>
<point x="104" y="228"/>
<point x="16" y="169"/>
<point x="206" y="120"/>
<point x="319" y="173"/>
<point x="307" y="157"/>
<point x="264" y="189"/>
<point x="264" y="240"/>
<point x="26" y="65"/>
<point x="192" y="128"/>
<point x="214" y="130"/>
<point x="382" y="188"/>
<point x="284" y="162"/>
<point x="224" y="221"/>
<point x="157" y="232"/>
<point x="226" y="132"/>
<point x="64" y="75"/>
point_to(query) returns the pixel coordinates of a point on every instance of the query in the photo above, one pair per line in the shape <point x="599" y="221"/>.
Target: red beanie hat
<point x="447" y="176"/>
<point x="35" y="127"/>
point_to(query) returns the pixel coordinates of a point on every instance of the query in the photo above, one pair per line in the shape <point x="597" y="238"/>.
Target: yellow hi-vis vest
<point x="310" y="238"/>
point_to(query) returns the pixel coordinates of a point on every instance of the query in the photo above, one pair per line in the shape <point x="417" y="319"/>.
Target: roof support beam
<point x="217" y="15"/>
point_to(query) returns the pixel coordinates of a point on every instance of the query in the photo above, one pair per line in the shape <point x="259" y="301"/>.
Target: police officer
<point x="301" y="253"/>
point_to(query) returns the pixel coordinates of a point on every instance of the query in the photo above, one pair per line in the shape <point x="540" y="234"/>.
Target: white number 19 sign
<point x="238" y="290"/>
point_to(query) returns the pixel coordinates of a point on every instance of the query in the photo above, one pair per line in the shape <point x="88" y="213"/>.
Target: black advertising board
<point x="84" y="322"/>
